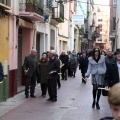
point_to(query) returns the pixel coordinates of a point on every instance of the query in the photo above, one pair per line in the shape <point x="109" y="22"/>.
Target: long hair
<point x="93" y="53"/>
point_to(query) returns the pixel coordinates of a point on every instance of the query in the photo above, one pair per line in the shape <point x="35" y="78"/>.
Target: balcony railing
<point x="6" y="2"/>
<point x="49" y="4"/>
<point x="58" y="13"/>
<point x="30" y="7"/>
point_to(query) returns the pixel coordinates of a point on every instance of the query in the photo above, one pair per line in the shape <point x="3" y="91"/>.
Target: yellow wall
<point x="4" y="38"/>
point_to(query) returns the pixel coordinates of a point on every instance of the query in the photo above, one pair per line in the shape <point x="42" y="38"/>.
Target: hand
<point x="107" y="88"/>
<point x="25" y="72"/>
<point x="85" y="78"/>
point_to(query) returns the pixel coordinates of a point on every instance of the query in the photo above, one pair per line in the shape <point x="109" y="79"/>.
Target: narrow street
<point x="74" y="103"/>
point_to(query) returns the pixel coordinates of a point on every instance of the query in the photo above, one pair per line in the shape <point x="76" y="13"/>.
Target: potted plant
<point x="30" y="5"/>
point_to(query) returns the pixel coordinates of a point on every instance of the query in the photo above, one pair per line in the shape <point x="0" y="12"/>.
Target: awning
<point x="3" y="6"/>
<point x="26" y="24"/>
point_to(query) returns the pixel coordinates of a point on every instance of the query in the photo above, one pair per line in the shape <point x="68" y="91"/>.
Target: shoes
<point x="27" y="96"/>
<point x="33" y="96"/>
<point x="43" y="96"/>
<point x="73" y="76"/>
<point x="93" y="104"/>
<point x="84" y="82"/>
<point x="49" y="99"/>
<point x="65" y="79"/>
<point x="54" y="100"/>
<point x="97" y="106"/>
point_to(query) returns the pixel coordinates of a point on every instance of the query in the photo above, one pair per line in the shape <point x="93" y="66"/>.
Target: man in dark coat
<point x="53" y="70"/>
<point x="83" y="65"/>
<point x="109" y="57"/>
<point x="30" y="67"/>
<point x="112" y="75"/>
<point x="64" y="59"/>
<point x="1" y="72"/>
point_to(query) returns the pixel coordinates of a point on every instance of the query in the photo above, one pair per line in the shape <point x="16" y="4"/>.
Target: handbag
<point x="104" y="92"/>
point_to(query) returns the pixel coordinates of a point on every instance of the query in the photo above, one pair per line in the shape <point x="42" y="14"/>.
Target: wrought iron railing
<point x="30" y="7"/>
<point x="49" y="4"/>
<point x="58" y="13"/>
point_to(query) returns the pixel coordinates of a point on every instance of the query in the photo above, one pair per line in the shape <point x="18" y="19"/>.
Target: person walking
<point x="30" y="67"/>
<point x="59" y="74"/>
<point x="73" y="64"/>
<point x="1" y="72"/>
<point x="53" y="70"/>
<point x="97" y="69"/>
<point x="83" y="65"/>
<point x="43" y="66"/>
<point x="64" y="58"/>
<point x="69" y="69"/>
<point x="112" y="75"/>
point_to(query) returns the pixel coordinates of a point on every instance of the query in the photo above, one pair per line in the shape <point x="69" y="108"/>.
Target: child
<point x="114" y="101"/>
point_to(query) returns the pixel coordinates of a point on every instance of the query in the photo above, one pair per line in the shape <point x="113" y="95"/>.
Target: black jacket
<point x="64" y="59"/>
<point x="53" y="65"/>
<point x="1" y="72"/>
<point x="107" y="118"/>
<point x="83" y="63"/>
<point x="111" y="75"/>
<point x="29" y="63"/>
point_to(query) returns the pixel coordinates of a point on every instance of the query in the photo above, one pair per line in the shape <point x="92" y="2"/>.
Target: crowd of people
<point x="102" y="66"/>
<point x="50" y="69"/>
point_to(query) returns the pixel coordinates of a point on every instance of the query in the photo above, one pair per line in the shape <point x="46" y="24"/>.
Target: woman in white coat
<point x="97" y="69"/>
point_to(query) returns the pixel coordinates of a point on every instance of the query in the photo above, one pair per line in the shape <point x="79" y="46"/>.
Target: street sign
<point x="78" y="19"/>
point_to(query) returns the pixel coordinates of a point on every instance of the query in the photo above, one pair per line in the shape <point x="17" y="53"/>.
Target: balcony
<point x="32" y="11"/>
<point x="58" y="13"/>
<point x="5" y="4"/>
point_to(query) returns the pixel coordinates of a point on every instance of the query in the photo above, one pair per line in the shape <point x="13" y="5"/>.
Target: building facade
<point x="5" y="9"/>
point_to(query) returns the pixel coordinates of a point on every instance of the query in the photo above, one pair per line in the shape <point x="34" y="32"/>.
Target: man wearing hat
<point x="112" y="75"/>
<point x="52" y="77"/>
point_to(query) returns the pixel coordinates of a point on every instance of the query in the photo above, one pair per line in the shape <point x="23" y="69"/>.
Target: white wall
<point x="44" y="28"/>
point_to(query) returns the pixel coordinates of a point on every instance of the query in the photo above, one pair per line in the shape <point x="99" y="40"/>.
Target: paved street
<point x="74" y="103"/>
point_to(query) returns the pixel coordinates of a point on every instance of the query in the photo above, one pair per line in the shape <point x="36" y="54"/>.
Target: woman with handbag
<point x="97" y="69"/>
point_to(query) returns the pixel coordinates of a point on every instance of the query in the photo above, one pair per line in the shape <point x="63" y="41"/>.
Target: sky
<point x="103" y="2"/>
<point x="84" y="5"/>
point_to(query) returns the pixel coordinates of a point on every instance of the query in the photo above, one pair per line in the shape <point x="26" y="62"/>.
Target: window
<point x="99" y="20"/>
<point x="114" y="23"/>
<point x="114" y="3"/>
<point x="100" y="26"/>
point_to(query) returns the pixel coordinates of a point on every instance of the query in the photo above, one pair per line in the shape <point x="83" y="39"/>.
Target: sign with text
<point x="78" y="19"/>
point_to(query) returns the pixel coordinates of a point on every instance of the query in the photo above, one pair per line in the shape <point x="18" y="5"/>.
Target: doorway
<point x="19" y="74"/>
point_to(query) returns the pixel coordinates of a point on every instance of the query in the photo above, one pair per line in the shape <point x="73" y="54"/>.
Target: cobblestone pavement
<point x="74" y="103"/>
